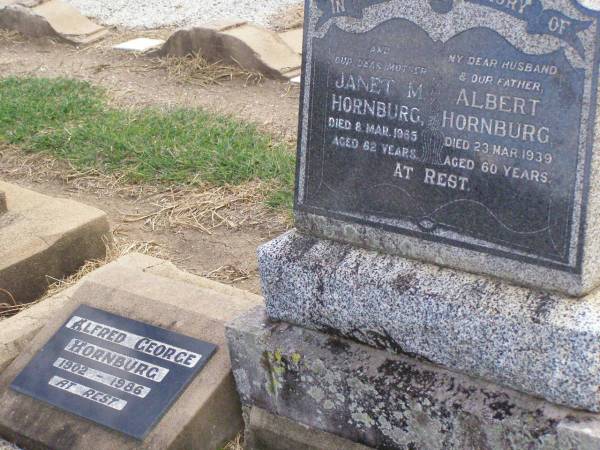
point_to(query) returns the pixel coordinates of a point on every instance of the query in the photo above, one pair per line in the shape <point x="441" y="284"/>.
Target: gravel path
<point x="4" y="445"/>
<point x="180" y="13"/>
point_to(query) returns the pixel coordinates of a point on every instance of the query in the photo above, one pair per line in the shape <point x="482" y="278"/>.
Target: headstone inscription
<point x="115" y="371"/>
<point x="458" y="132"/>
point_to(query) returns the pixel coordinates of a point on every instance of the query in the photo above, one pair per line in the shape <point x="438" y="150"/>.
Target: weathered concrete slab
<point x="68" y="22"/>
<point x="17" y="332"/>
<point x="540" y="343"/>
<point x="139" y="45"/>
<point x="293" y="38"/>
<point x="155" y="292"/>
<point x="21" y="19"/>
<point x="51" y="18"/>
<point x="265" y="431"/>
<point x="238" y="43"/>
<point x="390" y="401"/>
<point x="42" y="237"/>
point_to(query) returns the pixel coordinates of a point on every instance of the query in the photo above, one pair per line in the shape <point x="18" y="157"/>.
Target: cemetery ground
<point x="447" y="301"/>
<point x="192" y="166"/>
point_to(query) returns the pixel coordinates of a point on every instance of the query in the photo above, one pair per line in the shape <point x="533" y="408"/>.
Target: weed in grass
<point x="71" y="120"/>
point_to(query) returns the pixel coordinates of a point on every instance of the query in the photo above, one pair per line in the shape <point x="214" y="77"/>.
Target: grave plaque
<point x="115" y="371"/>
<point x="462" y="124"/>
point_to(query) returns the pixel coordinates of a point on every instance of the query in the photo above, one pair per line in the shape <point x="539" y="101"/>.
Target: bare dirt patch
<point x="212" y="232"/>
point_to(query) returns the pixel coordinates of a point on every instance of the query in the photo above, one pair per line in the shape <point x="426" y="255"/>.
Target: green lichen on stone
<point x="296" y="358"/>
<point x="274" y="369"/>
<point x="278" y="355"/>
<point x="363" y="418"/>
<point x="277" y="364"/>
<point x="316" y="393"/>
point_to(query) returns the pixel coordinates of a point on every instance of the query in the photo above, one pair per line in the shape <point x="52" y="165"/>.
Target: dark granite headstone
<point x="455" y="132"/>
<point x="115" y="371"/>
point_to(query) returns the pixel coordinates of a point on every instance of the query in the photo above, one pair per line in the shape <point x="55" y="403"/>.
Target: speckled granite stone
<point x="385" y="401"/>
<point x="540" y="343"/>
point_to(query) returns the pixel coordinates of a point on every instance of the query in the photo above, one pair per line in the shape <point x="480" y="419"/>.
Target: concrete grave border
<point x="43" y="237"/>
<point x="136" y="277"/>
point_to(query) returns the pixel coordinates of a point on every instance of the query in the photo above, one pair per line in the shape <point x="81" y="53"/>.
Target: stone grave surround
<point x="44" y="238"/>
<point x="440" y="291"/>
<point x="151" y="292"/>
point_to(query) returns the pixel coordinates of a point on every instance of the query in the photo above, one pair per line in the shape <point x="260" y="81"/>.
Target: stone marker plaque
<point x="115" y="371"/>
<point x="467" y="124"/>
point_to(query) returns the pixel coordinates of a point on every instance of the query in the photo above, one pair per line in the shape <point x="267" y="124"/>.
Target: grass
<point x="71" y="120"/>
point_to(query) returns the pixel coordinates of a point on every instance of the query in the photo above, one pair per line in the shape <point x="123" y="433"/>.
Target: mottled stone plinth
<point x="266" y="431"/>
<point x="390" y="401"/>
<point x="543" y="344"/>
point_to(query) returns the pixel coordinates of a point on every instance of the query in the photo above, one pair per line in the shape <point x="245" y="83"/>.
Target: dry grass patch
<point x="236" y="444"/>
<point x="9" y="306"/>
<point x="115" y="250"/>
<point x="200" y="207"/>
<point x="288" y="18"/>
<point x="191" y="69"/>
<point x="11" y="37"/>
<point x="228" y="274"/>
<point x="194" y="69"/>
<point x="208" y="208"/>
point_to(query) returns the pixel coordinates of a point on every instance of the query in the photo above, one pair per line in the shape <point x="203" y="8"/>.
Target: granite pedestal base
<point x="372" y="397"/>
<point x="536" y="342"/>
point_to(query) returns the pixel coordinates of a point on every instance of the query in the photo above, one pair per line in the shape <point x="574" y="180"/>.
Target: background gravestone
<point x="447" y="210"/>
